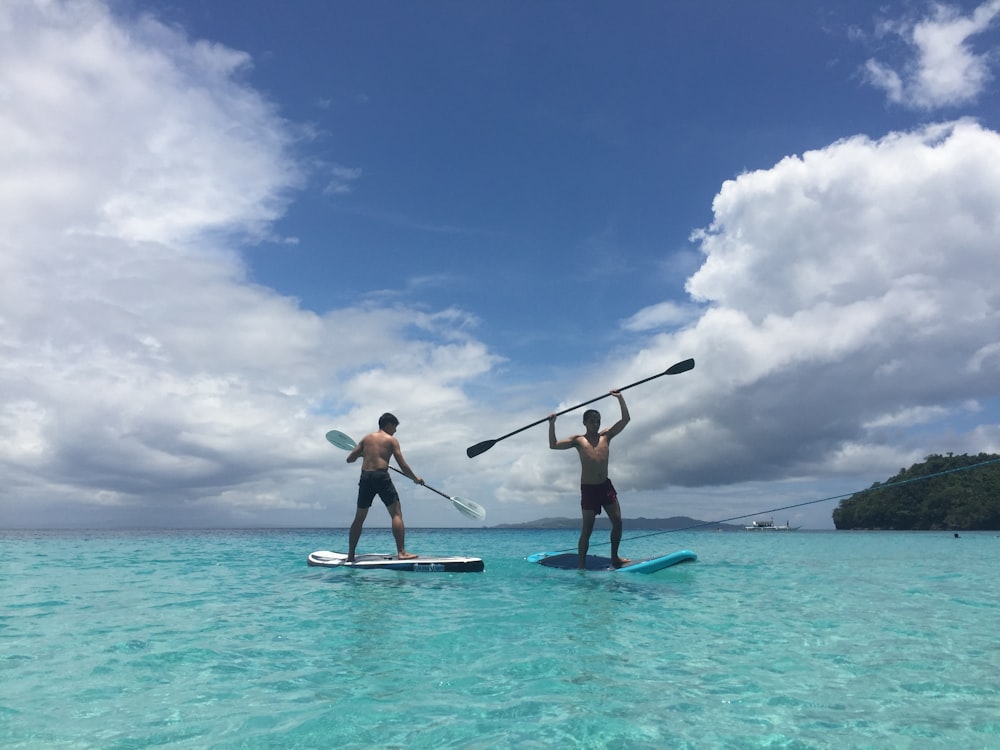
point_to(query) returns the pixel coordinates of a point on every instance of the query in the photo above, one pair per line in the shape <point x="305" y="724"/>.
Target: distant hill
<point x="676" y="522"/>
<point x="944" y="492"/>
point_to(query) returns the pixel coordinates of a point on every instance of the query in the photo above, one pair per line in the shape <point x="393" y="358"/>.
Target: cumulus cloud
<point x="141" y="371"/>
<point x="941" y="68"/>
<point x="845" y="286"/>
<point x="850" y="306"/>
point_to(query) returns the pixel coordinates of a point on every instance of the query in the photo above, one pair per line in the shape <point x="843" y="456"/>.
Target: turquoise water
<point x="227" y="639"/>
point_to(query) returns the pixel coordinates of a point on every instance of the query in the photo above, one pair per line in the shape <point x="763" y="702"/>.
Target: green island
<point x="958" y="494"/>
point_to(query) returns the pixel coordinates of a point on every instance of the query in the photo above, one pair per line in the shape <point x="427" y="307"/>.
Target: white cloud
<point x="846" y="286"/>
<point x="135" y="133"/>
<point x="140" y="370"/>
<point x="342" y="180"/>
<point x="943" y="69"/>
<point x="661" y="315"/>
<point x="884" y="216"/>
<point x="852" y="320"/>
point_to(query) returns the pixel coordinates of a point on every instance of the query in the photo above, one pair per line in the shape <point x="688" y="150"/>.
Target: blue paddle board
<point x="571" y="561"/>
<point x="419" y="564"/>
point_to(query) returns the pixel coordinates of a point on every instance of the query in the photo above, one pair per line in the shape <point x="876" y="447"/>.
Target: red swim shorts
<point x="596" y="496"/>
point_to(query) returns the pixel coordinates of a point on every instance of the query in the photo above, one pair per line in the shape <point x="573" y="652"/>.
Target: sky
<point x="228" y="227"/>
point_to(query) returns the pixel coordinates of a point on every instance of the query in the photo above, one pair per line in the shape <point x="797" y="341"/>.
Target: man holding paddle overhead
<point x="377" y="448"/>
<point x="596" y="490"/>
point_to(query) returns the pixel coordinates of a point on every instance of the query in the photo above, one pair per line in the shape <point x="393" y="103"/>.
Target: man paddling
<point x="377" y="448"/>
<point x="596" y="490"/>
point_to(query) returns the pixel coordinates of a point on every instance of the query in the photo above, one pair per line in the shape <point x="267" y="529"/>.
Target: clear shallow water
<point x="227" y="639"/>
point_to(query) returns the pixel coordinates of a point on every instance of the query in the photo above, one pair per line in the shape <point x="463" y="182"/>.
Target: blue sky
<point x="229" y="227"/>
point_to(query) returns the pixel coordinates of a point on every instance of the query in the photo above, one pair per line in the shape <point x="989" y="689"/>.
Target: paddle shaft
<point x="574" y="408"/>
<point x="680" y="367"/>
<point x="425" y="485"/>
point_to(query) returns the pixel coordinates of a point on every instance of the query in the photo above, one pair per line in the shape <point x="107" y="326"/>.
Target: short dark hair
<point x="591" y="413"/>
<point x="387" y="419"/>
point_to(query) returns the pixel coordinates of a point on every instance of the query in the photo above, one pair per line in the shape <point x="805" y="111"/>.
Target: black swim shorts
<point x="377" y="482"/>
<point x="596" y="496"/>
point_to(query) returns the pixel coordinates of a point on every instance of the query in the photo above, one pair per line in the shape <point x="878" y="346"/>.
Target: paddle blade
<point x="687" y="364"/>
<point x="341" y="440"/>
<point x="478" y="448"/>
<point x="469" y="508"/>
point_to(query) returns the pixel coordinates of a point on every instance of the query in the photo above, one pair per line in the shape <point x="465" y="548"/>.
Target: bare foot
<point x="620" y="562"/>
<point x="404" y="555"/>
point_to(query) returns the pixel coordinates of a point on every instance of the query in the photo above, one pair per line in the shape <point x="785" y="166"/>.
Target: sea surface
<point x="227" y="639"/>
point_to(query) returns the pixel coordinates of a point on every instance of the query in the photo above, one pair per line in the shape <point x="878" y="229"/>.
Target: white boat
<point x="769" y="526"/>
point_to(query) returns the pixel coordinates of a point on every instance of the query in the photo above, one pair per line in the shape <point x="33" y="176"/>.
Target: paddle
<point x="462" y="505"/>
<point x="475" y="450"/>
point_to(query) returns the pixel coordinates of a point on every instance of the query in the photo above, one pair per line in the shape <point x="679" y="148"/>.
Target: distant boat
<point x="769" y="526"/>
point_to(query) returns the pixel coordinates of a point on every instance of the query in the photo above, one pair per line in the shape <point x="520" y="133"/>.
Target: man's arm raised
<point x="625" y="418"/>
<point x="559" y="445"/>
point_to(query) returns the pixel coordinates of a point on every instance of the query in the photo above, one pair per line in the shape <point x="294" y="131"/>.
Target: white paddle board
<point x="420" y="564"/>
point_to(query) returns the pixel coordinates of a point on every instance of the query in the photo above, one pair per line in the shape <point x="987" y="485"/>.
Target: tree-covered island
<point x="960" y="493"/>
